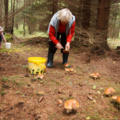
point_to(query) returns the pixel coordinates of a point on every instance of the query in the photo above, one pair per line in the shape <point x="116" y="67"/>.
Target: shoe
<point x="65" y="58"/>
<point x="50" y="60"/>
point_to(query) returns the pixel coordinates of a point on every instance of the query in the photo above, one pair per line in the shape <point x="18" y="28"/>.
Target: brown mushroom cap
<point x="97" y="74"/>
<point x="65" y="51"/>
<point x="91" y="75"/>
<point x="71" y="104"/>
<point x="59" y="102"/>
<point x="69" y="69"/>
<point x="40" y="76"/>
<point x="66" y="64"/>
<point x="118" y="99"/>
<point x="109" y="91"/>
<point x="114" y="97"/>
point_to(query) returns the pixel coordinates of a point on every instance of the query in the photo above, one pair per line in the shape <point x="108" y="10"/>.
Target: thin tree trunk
<point x="1" y="10"/>
<point x="78" y="18"/>
<point x="24" y="33"/>
<point x="54" y="7"/>
<point x="6" y="15"/>
<point x="102" y="21"/>
<point x="13" y="18"/>
<point x="86" y="14"/>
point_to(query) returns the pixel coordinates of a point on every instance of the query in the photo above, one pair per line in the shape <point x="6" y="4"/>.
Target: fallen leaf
<point x="88" y="118"/>
<point x="89" y="97"/>
<point x="41" y="98"/>
<point x="70" y="93"/>
<point x="41" y="93"/>
<point x="59" y="90"/>
<point x="94" y="87"/>
<point x="98" y="92"/>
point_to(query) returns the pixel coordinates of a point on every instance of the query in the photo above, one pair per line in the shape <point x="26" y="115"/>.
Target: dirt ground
<point x="19" y="99"/>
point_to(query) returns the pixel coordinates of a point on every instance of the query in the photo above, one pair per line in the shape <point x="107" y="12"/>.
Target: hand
<point x="59" y="46"/>
<point x="67" y="46"/>
<point x="5" y="41"/>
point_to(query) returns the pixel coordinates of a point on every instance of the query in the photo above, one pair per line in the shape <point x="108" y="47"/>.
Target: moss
<point x="8" y="37"/>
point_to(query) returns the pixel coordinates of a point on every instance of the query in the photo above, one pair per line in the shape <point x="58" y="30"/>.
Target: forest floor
<point x="19" y="99"/>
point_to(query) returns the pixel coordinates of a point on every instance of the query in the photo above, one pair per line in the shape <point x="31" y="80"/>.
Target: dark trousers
<point x="52" y="48"/>
<point x="0" y="38"/>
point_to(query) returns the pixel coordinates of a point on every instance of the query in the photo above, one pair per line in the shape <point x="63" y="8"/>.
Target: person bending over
<point x="1" y="36"/>
<point x="62" y="23"/>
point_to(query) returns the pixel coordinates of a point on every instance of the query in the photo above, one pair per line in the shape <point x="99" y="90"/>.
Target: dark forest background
<point x="96" y="20"/>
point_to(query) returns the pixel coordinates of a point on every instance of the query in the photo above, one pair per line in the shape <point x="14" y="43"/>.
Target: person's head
<point x="65" y="15"/>
<point x="1" y="29"/>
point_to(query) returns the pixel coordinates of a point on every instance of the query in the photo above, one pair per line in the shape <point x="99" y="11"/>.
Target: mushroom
<point x="66" y="65"/>
<point x="95" y="75"/>
<point x="70" y="105"/>
<point x="118" y="100"/>
<point x="41" y="93"/>
<point x="65" y="51"/>
<point x="59" y="102"/>
<point x="109" y="91"/>
<point x="91" y="75"/>
<point x="69" y="69"/>
<point x="114" y="97"/>
<point x="40" y="76"/>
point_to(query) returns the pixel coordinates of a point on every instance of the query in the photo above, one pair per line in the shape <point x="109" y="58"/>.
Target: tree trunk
<point x="78" y="19"/>
<point x="1" y="10"/>
<point x="54" y="7"/>
<point x="13" y="18"/>
<point x="86" y="14"/>
<point x="24" y="23"/>
<point x="6" y="15"/>
<point x="29" y="26"/>
<point x="102" y="21"/>
<point x="16" y="23"/>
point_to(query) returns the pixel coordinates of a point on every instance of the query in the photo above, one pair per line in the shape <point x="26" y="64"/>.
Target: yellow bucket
<point x="36" y="65"/>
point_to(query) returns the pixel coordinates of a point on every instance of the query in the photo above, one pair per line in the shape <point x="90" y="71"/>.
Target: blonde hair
<point x="65" y="15"/>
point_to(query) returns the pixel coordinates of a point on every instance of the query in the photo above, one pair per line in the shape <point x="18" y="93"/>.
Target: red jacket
<point x="61" y="29"/>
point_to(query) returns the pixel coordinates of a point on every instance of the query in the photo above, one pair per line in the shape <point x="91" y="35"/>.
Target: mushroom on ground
<point x="66" y="65"/>
<point x="118" y="100"/>
<point x="95" y="75"/>
<point x="114" y="97"/>
<point x="70" y="105"/>
<point x="59" y="102"/>
<point x="109" y="91"/>
<point x="40" y="76"/>
<point x="69" y="69"/>
<point x="41" y="93"/>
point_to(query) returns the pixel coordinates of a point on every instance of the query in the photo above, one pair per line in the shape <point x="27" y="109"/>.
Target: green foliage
<point x="2" y="93"/>
<point x="8" y="37"/>
<point x="4" y="79"/>
<point x="19" y="33"/>
<point x="23" y="44"/>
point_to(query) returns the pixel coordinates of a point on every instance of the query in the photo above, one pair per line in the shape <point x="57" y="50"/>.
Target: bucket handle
<point x="41" y="65"/>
